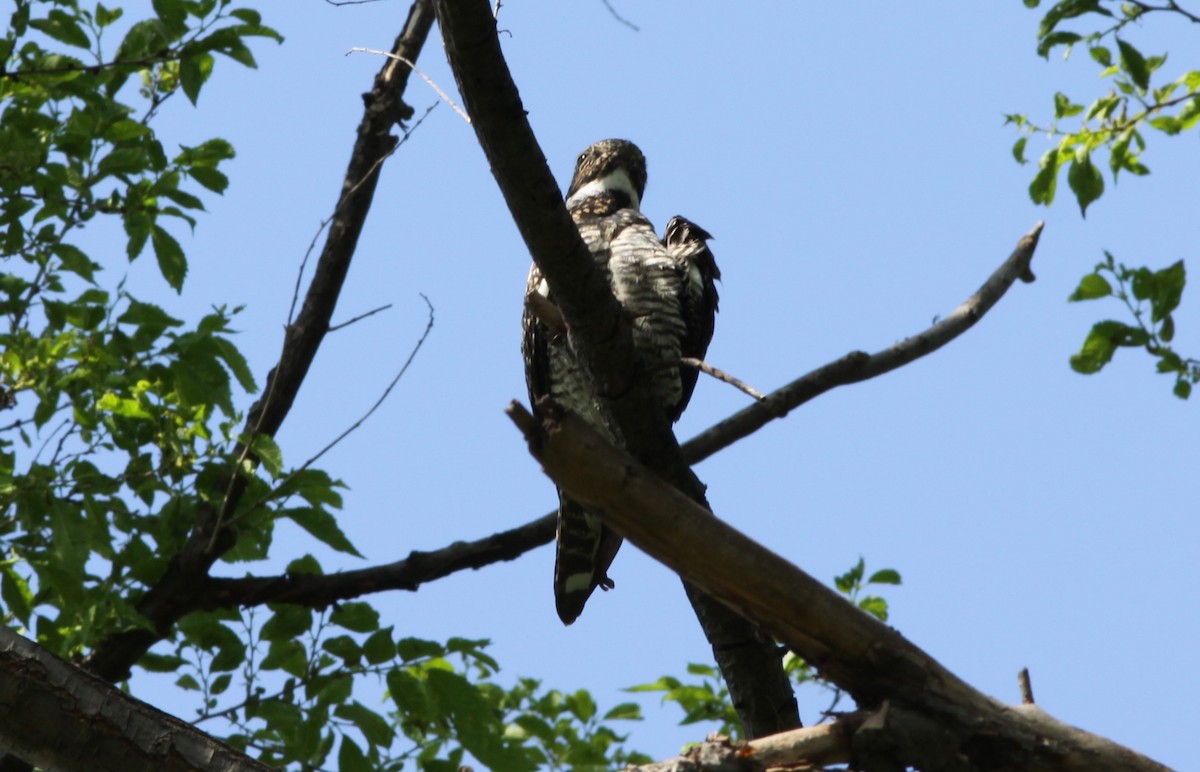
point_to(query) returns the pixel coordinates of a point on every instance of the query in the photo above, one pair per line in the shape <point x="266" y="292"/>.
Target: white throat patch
<point x="617" y="181"/>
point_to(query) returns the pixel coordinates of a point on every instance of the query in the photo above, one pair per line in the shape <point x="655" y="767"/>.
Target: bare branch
<point x="939" y="716"/>
<point x="282" y="484"/>
<point x="619" y="17"/>
<point x="799" y="750"/>
<point x="723" y="376"/>
<point x="360" y="317"/>
<point x="858" y="366"/>
<point x="428" y="80"/>
<point x="318" y="591"/>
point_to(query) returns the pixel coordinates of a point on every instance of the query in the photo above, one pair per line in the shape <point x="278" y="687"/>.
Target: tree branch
<point x="174" y="594"/>
<point x="318" y="591"/>
<point x="600" y="334"/>
<point x="858" y="366"/>
<point x="56" y="717"/>
<point x="926" y="716"/>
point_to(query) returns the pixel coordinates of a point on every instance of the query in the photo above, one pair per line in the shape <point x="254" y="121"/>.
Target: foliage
<point x="708" y="700"/>
<point x="1150" y="297"/>
<point x="285" y="691"/>
<point x="125" y="426"/>
<point x="1117" y="122"/>
<point x="130" y="409"/>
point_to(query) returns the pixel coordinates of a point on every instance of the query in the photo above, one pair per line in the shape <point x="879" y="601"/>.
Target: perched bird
<point x="666" y="286"/>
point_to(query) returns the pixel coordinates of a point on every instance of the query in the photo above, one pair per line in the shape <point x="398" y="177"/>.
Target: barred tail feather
<point x="584" y="550"/>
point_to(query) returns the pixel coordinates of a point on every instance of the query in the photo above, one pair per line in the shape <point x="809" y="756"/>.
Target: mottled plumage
<point x="666" y="286"/>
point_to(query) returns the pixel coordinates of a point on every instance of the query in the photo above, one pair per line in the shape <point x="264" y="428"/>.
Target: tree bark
<point x="58" y="717"/>
<point x="923" y="716"/>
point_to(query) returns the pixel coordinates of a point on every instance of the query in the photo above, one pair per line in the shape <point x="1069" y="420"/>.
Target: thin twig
<point x="619" y="17"/>
<point x="445" y="97"/>
<point x="721" y="375"/>
<point x="361" y="420"/>
<point x="271" y="381"/>
<point x="359" y="318"/>
<point x="1025" y="686"/>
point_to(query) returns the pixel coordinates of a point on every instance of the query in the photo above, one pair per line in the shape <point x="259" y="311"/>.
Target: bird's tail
<point x="585" y="548"/>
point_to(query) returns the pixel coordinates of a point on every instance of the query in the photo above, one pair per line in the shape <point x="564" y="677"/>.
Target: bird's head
<point x="611" y="167"/>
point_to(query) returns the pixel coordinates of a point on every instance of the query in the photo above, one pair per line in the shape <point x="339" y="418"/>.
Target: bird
<point x="667" y="289"/>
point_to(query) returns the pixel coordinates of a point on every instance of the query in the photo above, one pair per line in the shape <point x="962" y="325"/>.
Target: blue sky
<point x="851" y="161"/>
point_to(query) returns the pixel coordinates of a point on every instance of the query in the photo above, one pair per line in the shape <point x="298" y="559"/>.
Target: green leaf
<point x="1085" y="180"/>
<point x="75" y="261"/>
<point x="848" y="581"/>
<point x="171" y="261"/>
<point x="1067" y="9"/>
<point x="1064" y="108"/>
<point x="582" y="705"/>
<point x="1018" y="150"/>
<point x="1099" y="346"/>
<point x="344" y="648"/>
<point x="105" y="16"/>
<point x="875" y="606"/>
<point x="1183" y="388"/>
<point x="1167" y="124"/>
<point x="1134" y="63"/>
<point x="356" y="616"/>
<point x="1101" y="55"/>
<point x="1167" y="331"/>
<point x="287" y="622"/>
<point x="379" y="647"/>
<point x="1168" y="291"/>
<point x="161" y="663"/>
<point x="1041" y="190"/>
<point x="408" y="693"/>
<point x="286" y="655"/>
<point x="351" y="758"/>
<point x="411" y="649"/>
<point x="1056" y="39"/>
<point x="277" y="714"/>
<point x="187" y="682"/>
<point x="373" y="726"/>
<point x="626" y="711"/>
<point x="885" y="576"/>
<point x="236" y="363"/>
<point x="62" y="27"/>
<point x="15" y="592"/>
<point x="194" y="71"/>
<point x="1090" y="287"/>
<point x="268" y="452"/>
<point x="220" y="684"/>
<point x="209" y="178"/>
<point x="306" y="564"/>
<point x="324" y="527"/>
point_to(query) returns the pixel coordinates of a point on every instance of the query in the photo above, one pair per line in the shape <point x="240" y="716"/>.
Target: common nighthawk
<point x="667" y="287"/>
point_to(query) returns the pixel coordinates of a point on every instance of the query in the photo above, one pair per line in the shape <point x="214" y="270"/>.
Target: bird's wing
<point x="687" y="243"/>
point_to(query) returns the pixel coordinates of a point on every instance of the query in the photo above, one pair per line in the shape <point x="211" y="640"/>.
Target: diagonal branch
<point x="600" y="335"/>
<point x="173" y="594"/>
<point x="944" y="723"/>
<point x="858" y="366"/>
<point x="58" y="718"/>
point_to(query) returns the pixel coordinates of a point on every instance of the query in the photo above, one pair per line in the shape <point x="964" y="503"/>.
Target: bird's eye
<point x="581" y="158"/>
